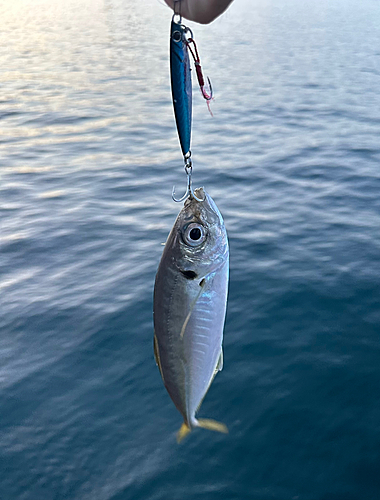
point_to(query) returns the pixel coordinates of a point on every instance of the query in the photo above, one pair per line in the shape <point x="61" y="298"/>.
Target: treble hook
<point x="189" y="191"/>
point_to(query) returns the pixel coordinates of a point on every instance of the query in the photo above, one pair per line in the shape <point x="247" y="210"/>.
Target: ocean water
<point x="88" y="157"/>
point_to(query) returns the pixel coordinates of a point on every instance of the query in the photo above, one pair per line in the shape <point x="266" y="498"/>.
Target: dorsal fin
<point x="219" y="365"/>
<point x="218" y="368"/>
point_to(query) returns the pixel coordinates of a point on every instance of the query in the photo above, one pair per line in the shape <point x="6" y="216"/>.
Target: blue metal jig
<point x="181" y="41"/>
<point x="181" y="83"/>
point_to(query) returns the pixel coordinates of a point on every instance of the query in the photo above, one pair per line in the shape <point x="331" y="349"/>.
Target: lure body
<point x="181" y="84"/>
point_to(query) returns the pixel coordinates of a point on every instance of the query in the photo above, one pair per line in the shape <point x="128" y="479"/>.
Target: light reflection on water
<point x="89" y="154"/>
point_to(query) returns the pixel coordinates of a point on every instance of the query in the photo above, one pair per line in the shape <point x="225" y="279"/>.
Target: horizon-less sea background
<point x="88" y="157"/>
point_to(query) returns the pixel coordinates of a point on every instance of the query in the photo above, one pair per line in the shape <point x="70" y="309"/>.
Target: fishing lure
<point x="181" y="42"/>
<point x="181" y="84"/>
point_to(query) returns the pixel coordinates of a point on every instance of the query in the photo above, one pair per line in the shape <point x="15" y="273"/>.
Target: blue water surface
<point x="88" y="156"/>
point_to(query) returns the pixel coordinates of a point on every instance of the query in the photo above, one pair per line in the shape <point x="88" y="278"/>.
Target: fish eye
<point x="194" y="234"/>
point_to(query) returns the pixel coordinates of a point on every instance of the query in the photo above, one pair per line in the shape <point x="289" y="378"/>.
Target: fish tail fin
<point x="183" y="432"/>
<point x="212" y="425"/>
<point x="205" y="423"/>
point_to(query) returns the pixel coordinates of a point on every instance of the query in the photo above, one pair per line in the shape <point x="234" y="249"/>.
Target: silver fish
<point x="190" y="297"/>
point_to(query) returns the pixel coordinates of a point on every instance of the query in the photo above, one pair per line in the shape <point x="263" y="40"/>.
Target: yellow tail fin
<point x="212" y="425"/>
<point x="205" y="423"/>
<point x="183" y="432"/>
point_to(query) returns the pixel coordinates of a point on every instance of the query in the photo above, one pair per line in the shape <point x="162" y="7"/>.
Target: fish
<point x="180" y="75"/>
<point x="190" y="299"/>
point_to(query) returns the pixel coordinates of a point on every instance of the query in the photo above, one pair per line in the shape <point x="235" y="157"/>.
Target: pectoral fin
<point x="202" y="285"/>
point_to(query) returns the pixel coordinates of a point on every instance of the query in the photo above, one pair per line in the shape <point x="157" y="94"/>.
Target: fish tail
<point x="205" y="423"/>
<point x="212" y="425"/>
<point x="183" y="432"/>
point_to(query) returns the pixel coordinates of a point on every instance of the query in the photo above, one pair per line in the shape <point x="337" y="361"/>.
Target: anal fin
<point x="157" y="355"/>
